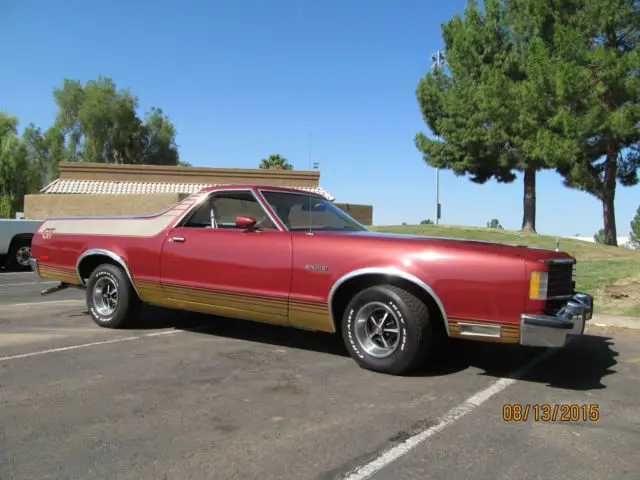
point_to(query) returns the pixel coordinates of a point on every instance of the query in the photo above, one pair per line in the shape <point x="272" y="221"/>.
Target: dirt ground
<point x="623" y="296"/>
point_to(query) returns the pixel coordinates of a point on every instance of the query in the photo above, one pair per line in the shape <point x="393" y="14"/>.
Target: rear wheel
<point x="19" y="254"/>
<point x="387" y="329"/>
<point x="111" y="300"/>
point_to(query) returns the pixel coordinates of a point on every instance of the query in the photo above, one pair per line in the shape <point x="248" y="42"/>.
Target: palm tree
<point x="276" y="162"/>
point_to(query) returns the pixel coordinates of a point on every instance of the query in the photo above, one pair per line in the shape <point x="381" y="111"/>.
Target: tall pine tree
<point x="539" y="84"/>
<point x="482" y="107"/>
<point x="593" y="71"/>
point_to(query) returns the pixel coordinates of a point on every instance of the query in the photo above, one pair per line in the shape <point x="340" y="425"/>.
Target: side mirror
<point x="245" y="222"/>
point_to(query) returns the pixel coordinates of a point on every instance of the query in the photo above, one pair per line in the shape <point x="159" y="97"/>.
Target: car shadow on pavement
<point x="14" y="270"/>
<point x="155" y="318"/>
<point x="580" y="365"/>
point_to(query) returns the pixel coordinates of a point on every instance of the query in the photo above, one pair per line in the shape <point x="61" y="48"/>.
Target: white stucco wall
<point x="622" y="241"/>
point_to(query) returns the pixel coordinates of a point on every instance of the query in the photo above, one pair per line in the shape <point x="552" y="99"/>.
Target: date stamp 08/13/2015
<point x="545" y="412"/>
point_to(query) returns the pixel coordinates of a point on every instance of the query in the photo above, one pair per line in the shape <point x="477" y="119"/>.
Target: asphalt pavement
<point x="194" y="397"/>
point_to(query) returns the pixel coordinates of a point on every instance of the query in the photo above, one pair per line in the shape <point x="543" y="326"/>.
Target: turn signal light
<point x="538" y="285"/>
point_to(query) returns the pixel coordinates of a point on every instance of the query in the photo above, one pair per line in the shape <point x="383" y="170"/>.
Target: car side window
<point x="299" y="219"/>
<point x="201" y="218"/>
<point x="221" y="209"/>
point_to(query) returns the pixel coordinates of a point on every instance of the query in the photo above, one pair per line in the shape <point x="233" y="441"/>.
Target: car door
<point x="210" y="265"/>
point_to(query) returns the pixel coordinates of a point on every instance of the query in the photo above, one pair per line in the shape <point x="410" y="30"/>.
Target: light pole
<point x="438" y="61"/>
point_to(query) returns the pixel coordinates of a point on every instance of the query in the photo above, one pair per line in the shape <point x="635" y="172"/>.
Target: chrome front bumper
<point x="553" y="331"/>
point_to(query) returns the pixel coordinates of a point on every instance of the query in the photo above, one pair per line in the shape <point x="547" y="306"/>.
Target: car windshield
<point x="300" y="211"/>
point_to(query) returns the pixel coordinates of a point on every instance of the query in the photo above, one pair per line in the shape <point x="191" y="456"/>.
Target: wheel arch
<point x="347" y="285"/>
<point x="93" y="257"/>
<point x="19" y="236"/>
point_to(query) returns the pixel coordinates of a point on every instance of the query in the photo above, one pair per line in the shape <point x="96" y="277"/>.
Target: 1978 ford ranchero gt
<point x="289" y="257"/>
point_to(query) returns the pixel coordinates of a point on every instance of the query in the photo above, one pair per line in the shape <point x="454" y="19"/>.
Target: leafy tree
<point x="593" y="135"/>
<point x="100" y="124"/>
<point x="158" y="139"/>
<point x="17" y="175"/>
<point x="45" y="151"/>
<point x="426" y="221"/>
<point x="634" y="235"/>
<point x="494" y="223"/>
<point x="276" y="162"/>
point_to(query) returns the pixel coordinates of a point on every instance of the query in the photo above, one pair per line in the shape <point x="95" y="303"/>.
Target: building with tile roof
<point x="109" y="189"/>
<point x="115" y="187"/>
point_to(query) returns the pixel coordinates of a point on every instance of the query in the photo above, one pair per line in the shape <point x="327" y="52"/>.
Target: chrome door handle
<point x="177" y="239"/>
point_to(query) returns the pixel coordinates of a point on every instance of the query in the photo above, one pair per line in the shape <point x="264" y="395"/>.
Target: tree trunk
<point x="529" y="211"/>
<point x="608" y="199"/>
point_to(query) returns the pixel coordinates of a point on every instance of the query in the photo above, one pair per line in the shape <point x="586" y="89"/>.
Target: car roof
<point x="251" y="186"/>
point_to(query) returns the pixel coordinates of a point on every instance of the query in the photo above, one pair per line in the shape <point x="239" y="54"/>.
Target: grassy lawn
<point x="611" y="274"/>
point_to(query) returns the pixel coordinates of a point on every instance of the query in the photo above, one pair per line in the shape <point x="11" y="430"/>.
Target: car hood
<point x="496" y="248"/>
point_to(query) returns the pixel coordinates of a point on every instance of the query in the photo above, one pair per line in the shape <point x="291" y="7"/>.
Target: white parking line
<point x="391" y="454"/>
<point x="32" y="304"/>
<point x="22" y="284"/>
<point x="86" y="345"/>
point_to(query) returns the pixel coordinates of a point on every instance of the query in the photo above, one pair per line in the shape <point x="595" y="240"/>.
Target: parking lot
<point x="193" y="397"/>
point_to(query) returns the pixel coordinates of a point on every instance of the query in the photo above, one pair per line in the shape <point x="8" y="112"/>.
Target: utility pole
<point x="438" y="61"/>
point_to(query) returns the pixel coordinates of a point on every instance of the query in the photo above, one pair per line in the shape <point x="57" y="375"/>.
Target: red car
<point x="288" y="257"/>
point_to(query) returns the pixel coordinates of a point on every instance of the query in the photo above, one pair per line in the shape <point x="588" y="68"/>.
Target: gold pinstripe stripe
<point x="301" y="313"/>
<point x="310" y="314"/>
<point x="61" y="274"/>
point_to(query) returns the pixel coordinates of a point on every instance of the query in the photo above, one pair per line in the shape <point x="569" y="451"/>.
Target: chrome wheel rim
<point x="105" y="296"/>
<point x="23" y="255"/>
<point x="377" y="329"/>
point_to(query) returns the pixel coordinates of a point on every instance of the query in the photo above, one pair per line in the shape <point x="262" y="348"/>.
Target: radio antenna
<point x="309" y="194"/>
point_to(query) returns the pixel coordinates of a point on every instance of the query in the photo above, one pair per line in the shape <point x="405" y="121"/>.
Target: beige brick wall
<point x="38" y="207"/>
<point x="362" y="213"/>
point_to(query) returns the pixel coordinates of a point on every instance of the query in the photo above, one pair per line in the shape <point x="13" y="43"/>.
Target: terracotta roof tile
<point x="104" y="187"/>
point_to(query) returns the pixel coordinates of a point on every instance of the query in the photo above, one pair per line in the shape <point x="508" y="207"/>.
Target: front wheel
<point x="387" y="329"/>
<point x="111" y="299"/>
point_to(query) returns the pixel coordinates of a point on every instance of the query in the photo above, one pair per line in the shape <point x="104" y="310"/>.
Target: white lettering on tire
<point x="350" y="333"/>
<point x="395" y="308"/>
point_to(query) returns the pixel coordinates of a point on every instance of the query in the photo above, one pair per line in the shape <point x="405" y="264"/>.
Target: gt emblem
<point x="47" y="233"/>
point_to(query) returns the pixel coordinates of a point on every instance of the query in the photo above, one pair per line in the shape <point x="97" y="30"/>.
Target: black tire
<point x="414" y="333"/>
<point x="19" y="254"/>
<point x="108" y="314"/>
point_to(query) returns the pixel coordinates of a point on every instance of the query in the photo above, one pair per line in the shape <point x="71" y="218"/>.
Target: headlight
<point x="573" y="273"/>
<point x="538" y="285"/>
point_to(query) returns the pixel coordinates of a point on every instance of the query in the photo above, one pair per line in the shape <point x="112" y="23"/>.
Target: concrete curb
<point x="620" y="321"/>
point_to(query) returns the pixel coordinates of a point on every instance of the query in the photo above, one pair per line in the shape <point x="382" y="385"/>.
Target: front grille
<point x="560" y="281"/>
<point x="560" y="286"/>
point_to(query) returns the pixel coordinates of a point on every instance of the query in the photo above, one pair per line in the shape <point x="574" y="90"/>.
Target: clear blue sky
<point x="242" y="79"/>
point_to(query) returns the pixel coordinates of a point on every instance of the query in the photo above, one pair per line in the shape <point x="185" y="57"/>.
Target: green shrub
<point x="7" y="206"/>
